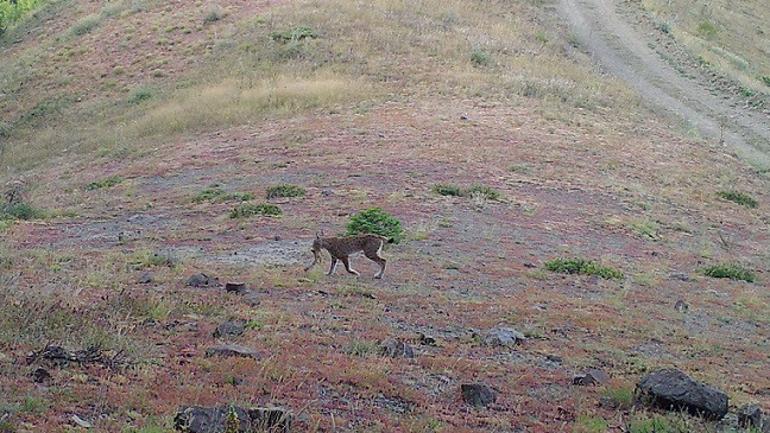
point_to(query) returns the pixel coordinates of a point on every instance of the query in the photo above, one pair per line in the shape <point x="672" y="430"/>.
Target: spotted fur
<point x="340" y="249"/>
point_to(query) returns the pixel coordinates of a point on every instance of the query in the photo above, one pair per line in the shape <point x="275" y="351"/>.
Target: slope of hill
<point x="133" y="129"/>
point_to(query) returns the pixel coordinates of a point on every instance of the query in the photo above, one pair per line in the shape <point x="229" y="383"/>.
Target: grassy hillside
<point x="732" y="36"/>
<point x="146" y="141"/>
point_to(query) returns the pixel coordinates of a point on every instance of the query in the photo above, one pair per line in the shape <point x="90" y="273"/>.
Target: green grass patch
<point x="583" y="267"/>
<point x="447" y="190"/>
<point x="107" y="182"/>
<point x="376" y="221"/>
<point x="740" y="198"/>
<point x="590" y="424"/>
<point x="646" y="229"/>
<point x="285" y="190"/>
<point x="139" y="95"/>
<point x="657" y="424"/>
<point x="706" y="29"/>
<point x="361" y="348"/>
<point x="732" y="271"/>
<point x="295" y="34"/>
<point x="619" y="396"/>
<point x="215" y="194"/>
<point x="765" y="79"/>
<point x="247" y="210"/>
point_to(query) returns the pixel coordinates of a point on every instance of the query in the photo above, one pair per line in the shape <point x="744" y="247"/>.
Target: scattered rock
<point x="592" y="376"/>
<point x="195" y="419"/>
<point x="239" y="288"/>
<point x="252" y="298"/>
<point x="750" y="416"/>
<point x="60" y="356"/>
<point x="145" y="278"/>
<point x="202" y="280"/>
<point x="396" y="349"/>
<point x="427" y="340"/>
<point x="231" y="350"/>
<point x="506" y="337"/>
<point x="672" y="389"/>
<point x="681" y="306"/>
<point x="478" y="394"/>
<point x="277" y="238"/>
<point x="327" y="193"/>
<point x="681" y="276"/>
<point x="554" y="359"/>
<point x="41" y="375"/>
<point x="81" y="422"/>
<point x="231" y="328"/>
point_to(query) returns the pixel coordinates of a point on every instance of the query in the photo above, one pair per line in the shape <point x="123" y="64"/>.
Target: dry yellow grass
<point x="372" y="52"/>
<point x="732" y="36"/>
<point x="228" y="103"/>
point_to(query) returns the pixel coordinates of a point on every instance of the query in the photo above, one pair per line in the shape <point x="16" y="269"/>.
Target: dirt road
<point x="625" y="53"/>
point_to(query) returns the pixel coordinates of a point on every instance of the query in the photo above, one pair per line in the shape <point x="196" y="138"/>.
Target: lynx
<point x="340" y="249"/>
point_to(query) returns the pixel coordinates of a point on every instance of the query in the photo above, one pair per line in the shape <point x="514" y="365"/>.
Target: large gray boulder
<point x="671" y="389"/>
<point x="196" y="419"/>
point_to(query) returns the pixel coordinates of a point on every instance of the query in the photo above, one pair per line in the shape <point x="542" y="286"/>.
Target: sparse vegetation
<point x="643" y="423"/>
<point x="295" y="34"/>
<point x="285" y="190"/>
<point x="215" y="194"/>
<point x="765" y="79"/>
<point x="732" y="271"/>
<point x="85" y="25"/>
<point x="583" y="267"/>
<point x="740" y="198"/>
<point x="13" y="11"/>
<point x="590" y="424"/>
<point x="447" y="190"/>
<point x="250" y="209"/>
<point x="107" y="182"/>
<point x="139" y="95"/>
<point x="706" y="29"/>
<point x="484" y="191"/>
<point x="475" y="191"/>
<point x="480" y="58"/>
<point x="20" y="211"/>
<point x="376" y="221"/>
<point x="213" y="13"/>
<point x="619" y="396"/>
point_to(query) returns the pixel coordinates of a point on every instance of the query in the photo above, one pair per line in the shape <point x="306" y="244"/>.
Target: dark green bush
<point x="583" y="267"/>
<point x="249" y="209"/>
<point x="730" y="270"/>
<point x="285" y="190"/>
<point x="20" y="211"/>
<point x="376" y="221"/>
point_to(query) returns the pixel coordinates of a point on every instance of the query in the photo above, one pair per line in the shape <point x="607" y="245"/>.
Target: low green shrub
<point x="583" y="267"/>
<point x="107" y="182"/>
<point x="285" y="190"/>
<point x="249" y="209"/>
<point x="740" y="198"/>
<point x="732" y="271"/>
<point x="376" y="221"/>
